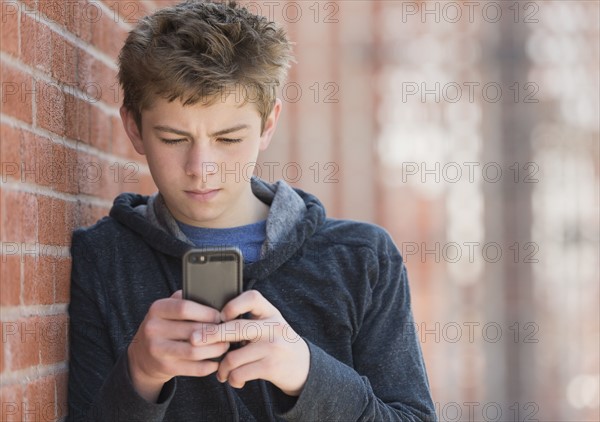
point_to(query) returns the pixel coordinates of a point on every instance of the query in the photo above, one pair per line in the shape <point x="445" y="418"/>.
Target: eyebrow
<point x="212" y="135"/>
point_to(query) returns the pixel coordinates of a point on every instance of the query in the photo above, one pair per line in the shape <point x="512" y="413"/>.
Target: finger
<point x="240" y="357"/>
<point x="242" y="329"/>
<point x="195" y="369"/>
<point x="177" y="295"/>
<point x="177" y="330"/>
<point x="182" y="309"/>
<point x="205" y="334"/>
<point x="251" y="301"/>
<point x="239" y="376"/>
<point x="184" y="351"/>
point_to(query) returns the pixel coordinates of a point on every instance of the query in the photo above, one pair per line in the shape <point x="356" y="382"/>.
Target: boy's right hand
<point x="161" y="348"/>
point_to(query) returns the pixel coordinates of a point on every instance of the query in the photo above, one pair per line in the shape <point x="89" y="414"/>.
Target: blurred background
<point x="468" y="129"/>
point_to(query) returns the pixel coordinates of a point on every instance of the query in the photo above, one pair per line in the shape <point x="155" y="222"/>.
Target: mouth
<point x="202" y="194"/>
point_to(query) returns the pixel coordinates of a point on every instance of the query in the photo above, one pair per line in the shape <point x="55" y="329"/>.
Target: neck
<point x="258" y="210"/>
<point x="254" y="210"/>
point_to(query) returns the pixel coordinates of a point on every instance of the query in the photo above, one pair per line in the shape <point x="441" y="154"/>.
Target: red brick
<point x="52" y="228"/>
<point x="65" y="168"/>
<point x="9" y="30"/>
<point x="70" y="219"/>
<point x="64" y="60"/>
<point x="107" y="34"/>
<point x="29" y="148"/>
<point x="10" y="230"/>
<point x="61" y="381"/>
<point x="29" y="6"/>
<point x="2" y="360"/>
<point x="40" y="395"/>
<point x="70" y="75"/>
<point x="100" y="129"/>
<point x="88" y="214"/>
<point x="127" y="12"/>
<point x="85" y="164"/>
<point x="29" y="217"/>
<point x="77" y="119"/>
<point x="17" y="92"/>
<point x="93" y="175"/>
<point x="85" y="75"/>
<point x="22" y="339"/>
<point x="72" y="106"/>
<point x="58" y="172"/>
<point x="10" y="272"/>
<point x="57" y="62"/>
<point x="71" y="162"/>
<point x="53" y="339"/>
<point x="36" y="50"/>
<point x="84" y="68"/>
<point x="62" y="235"/>
<point x="11" y="397"/>
<point x="37" y="160"/>
<point x="62" y="280"/>
<point x="50" y="170"/>
<point x="48" y="163"/>
<point x="102" y="178"/>
<point x="112" y="176"/>
<point x="138" y="182"/>
<point x="83" y="14"/>
<point x="102" y="85"/>
<point x="55" y="10"/>
<point x="105" y="86"/>
<point x="10" y="151"/>
<point x="20" y="225"/>
<point x="45" y="219"/>
<point x="38" y="280"/>
<point x="50" y="107"/>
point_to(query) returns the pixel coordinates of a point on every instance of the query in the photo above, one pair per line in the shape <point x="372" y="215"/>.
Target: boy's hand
<point x="161" y="348"/>
<point x="274" y="352"/>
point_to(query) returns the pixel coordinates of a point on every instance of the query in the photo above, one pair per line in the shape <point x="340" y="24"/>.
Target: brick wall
<point x="64" y="157"/>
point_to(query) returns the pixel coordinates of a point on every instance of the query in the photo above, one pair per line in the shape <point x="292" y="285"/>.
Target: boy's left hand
<point x="274" y="351"/>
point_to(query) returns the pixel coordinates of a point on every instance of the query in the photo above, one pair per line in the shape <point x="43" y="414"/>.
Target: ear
<point x="270" y="125"/>
<point x="131" y="129"/>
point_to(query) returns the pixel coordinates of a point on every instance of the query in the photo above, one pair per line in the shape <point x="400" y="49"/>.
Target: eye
<point x="230" y="140"/>
<point x="172" y="141"/>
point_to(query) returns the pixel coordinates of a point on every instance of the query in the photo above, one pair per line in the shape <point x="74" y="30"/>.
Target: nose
<point x="200" y="161"/>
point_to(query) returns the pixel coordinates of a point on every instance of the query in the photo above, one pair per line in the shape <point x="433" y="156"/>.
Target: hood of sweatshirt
<point x="294" y="216"/>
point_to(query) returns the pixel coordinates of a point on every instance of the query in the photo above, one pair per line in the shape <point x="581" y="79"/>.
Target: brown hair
<point x="199" y="51"/>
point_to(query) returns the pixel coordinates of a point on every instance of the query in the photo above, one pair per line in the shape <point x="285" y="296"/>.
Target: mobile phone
<point x="212" y="276"/>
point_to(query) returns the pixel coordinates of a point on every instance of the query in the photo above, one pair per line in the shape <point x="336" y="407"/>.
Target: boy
<point x="326" y="301"/>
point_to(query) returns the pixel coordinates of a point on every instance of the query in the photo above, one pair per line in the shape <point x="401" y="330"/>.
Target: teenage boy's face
<point x="202" y="157"/>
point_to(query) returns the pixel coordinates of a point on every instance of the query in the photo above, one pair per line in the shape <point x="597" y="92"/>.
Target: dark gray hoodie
<point x="341" y="285"/>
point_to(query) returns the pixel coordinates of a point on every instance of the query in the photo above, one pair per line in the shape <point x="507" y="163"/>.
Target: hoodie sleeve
<point x="388" y="381"/>
<point x="100" y="388"/>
